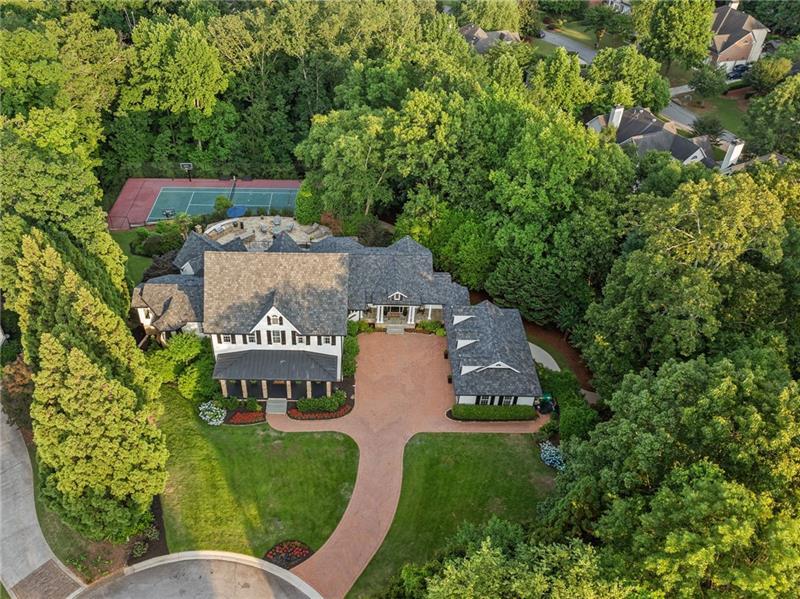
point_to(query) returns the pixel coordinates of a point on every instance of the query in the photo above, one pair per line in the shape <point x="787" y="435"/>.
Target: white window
<point x="396" y="297"/>
<point x="276" y="337"/>
<point x="251" y="337"/>
<point x="326" y="340"/>
<point x="484" y="400"/>
<point x="301" y="340"/>
<point x="274" y="319"/>
<point x="226" y="338"/>
<point x="507" y="400"/>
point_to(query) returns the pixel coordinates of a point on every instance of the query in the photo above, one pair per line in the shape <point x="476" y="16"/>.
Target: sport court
<point x="143" y="200"/>
<point x="200" y="200"/>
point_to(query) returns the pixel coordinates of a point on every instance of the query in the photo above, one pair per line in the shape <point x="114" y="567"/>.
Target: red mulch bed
<point x="245" y="417"/>
<point x="298" y="415"/>
<point x="287" y="554"/>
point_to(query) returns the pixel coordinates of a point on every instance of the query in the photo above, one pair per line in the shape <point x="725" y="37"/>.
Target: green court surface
<point x="200" y="200"/>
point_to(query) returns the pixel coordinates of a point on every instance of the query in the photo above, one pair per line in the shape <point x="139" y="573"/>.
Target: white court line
<point x="191" y="197"/>
<point x="269" y="206"/>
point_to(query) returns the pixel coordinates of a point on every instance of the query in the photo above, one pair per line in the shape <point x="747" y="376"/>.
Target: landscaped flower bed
<point x="551" y="455"/>
<point x="298" y="415"/>
<point x="245" y="417"/>
<point x="288" y="554"/>
<point x="212" y="413"/>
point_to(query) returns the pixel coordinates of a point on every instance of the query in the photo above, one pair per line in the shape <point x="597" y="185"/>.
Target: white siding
<point x="466" y="399"/>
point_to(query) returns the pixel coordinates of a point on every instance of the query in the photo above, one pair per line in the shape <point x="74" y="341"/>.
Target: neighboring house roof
<point x="174" y="300"/>
<point x="310" y="290"/>
<point x="278" y="365"/>
<point x="283" y="242"/>
<point x="733" y="34"/>
<point x="641" y="128"/>
<point x="779" y="159"/>
<point x="482" y="40"/>
<point x="489" y="352"/>
<point x="197" y="244"/>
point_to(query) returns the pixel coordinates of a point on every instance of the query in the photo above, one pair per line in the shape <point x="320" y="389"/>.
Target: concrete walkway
<point x="401" y="390"/>
<point x="540" y="356"/>
<point x="28" y="567"/>
<point x="202" y="575"/>
<point x="585" y="53"/>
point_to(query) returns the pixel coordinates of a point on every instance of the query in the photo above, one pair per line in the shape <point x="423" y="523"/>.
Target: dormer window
<point x="397" y="296"/>
<point x="147" y="312"/>
<point x="275" y="319"/>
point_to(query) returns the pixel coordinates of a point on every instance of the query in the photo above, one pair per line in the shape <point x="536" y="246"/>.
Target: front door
<point x="396" y="313"/>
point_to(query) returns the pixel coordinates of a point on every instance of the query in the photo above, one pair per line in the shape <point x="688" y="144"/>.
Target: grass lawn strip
<point x="136" y="265"/>
<point x="88" y="559"/>
<point x="544" y="48"/>
<point x="730" y="111"/>
<point x="244" y="489"/>
<point x="447" y="479"/>
<point x="582" y="34"/>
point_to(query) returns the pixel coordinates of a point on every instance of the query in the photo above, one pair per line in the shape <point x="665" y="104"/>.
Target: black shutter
<point x="280" y="320"/>
<point x="219" y="338"/>
<point x="294" y="338"/>
<point x="233" y="339"/>
<point x="333" y="340"/>
<point x="258" y="337"/>
<point x="514" y="401"/>
<point x="269" y="337"/>
<point x="283" y="337"/>
<point x="244" y="338"/>
<point x="319" y="340"/>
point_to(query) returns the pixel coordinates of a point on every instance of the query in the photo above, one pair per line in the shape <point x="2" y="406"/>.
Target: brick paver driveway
<point x="401" y="390"/>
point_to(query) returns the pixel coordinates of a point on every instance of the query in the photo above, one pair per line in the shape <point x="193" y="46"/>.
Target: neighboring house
<point x="190" y="257"/>
<point x="490" y="357"/>
<point x="738" y="37"/>
<point x="279" y="317"/>
<point x="734" y="167"/>
<point x="623" y="6"/>
<point x="639" y="127"/>
<point x="169" y="304"/>
<point x="482" y="41"/>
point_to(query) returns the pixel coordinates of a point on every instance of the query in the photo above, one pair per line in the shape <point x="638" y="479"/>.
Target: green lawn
<point x="4" y="593"/>
<point x="579" y="32"/>
<point x="88" y="558"/>
<point x="136" y="264"/>
<point x="450" y="478"/>
<point x="677" y="75"/>
<point x="728" y="110"/>
<point x="544" y="48"/>
<point x="557" y="355"/>
<point x="245" y="488"/>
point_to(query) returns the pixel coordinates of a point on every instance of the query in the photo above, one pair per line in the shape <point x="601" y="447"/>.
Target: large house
<point x="482" y="41"/>
<point x="738" y="37"/>
<point x="640" y="128"/>
<point x="277" y="319"/>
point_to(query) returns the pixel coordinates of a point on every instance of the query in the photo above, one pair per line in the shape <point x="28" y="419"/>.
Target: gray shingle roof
<point x="334" y="245"/>
<point x="197" y="244"/>
<point x="499" y="336"/>
<point x="309" y="289"/>
<point x="730" y="27"/>
<point x="175" y="300"/>
<point x="283" y="242"/>
<point x="275" y="365"/>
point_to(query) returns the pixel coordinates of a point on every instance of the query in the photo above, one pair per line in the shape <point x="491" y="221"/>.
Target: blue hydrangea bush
<point x="551" y="455"/>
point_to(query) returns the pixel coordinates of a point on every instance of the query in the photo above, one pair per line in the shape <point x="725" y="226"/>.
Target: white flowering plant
<point x="551" y="455"/>
<point x="212" y="413"/>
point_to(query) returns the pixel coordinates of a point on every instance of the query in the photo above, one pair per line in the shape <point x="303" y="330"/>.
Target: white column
<point x="430" y="307"/>
<point x="379" y="320"/>
<point x="328" y="389"/>
<point x="224" y="386"/>
<point x="288" y="389"/>
<point x="308" y="389"/>
<point x="244" y="389"/>
<point x="264" y="390"/>
<point x="412" y="310"/>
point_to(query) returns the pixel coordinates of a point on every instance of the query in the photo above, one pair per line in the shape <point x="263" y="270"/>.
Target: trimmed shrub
<point x="252" y="405"/>
<point x="576" y="420"/>
<point x="432" y="326"/>
<point x="196" y="383"/>
<point x="308" y="206"/>
<point x="551" y="455"/>
<point x="322" y="404"/>
<point x="475" y="412"/>
<point x="229" y="403"/>
<point x="362" y="326"/>
<point x="185" y="347"/>
<point x="349" y="354"/>
<point x="160" y="363"/>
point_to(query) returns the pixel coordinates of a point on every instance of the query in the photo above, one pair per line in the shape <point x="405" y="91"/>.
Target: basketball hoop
<point x="187" y="166"/>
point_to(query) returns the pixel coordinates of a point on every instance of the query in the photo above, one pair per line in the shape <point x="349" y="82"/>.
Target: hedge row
<point x="322" y="404"/>
<point x="477" y="412"/>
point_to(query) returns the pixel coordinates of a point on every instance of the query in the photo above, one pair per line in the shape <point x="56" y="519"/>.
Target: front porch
<point x="405" y="316"/>
<point x="246" y="389"/>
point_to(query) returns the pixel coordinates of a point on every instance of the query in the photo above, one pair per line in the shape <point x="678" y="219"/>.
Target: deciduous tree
<point x="675" y="30"/>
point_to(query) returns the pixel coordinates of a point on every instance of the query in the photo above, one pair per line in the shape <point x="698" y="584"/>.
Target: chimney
<point x="732" y="155"/>
<point x="615" y="116"/>
<point x="734" y="4"/>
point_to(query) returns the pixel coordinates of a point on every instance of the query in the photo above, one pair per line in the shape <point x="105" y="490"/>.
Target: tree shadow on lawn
<point x="245" y="488"/>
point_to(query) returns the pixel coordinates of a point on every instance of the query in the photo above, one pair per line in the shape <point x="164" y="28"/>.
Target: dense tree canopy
<point x="674" y="30"/>
<point x="772" y="121"/>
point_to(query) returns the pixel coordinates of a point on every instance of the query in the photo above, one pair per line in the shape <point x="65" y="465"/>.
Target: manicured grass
<point x="451" y="478"/>
<point x="579" y="32"/>
<point x="544" y="48"/>
<point x="728" y="110"/>
<point x="678" y="75"/>
<point x="136" y="265"/>
<point x="245" y="488"/>
<point x="87" y="558"/>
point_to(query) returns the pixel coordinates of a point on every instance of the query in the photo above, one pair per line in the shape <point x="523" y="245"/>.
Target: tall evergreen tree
<point x="101" y="459"/>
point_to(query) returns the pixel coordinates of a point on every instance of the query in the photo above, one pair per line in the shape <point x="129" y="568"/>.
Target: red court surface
<point x="138" y="196"/>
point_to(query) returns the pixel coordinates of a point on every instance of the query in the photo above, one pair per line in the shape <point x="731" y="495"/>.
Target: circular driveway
<point x="202" y="575"/>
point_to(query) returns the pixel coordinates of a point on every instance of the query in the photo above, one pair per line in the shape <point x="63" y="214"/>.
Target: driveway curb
<point x="237" y="558"/>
